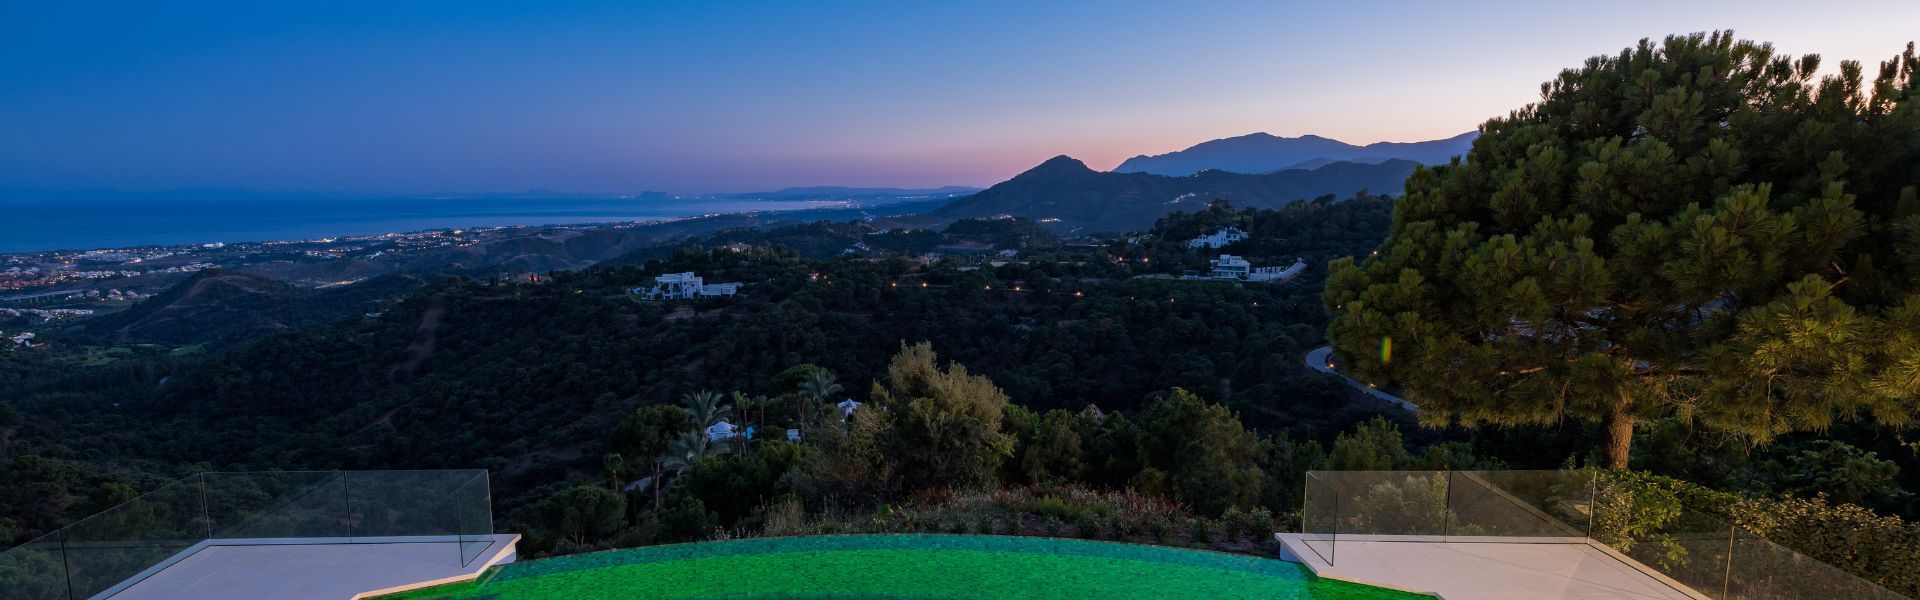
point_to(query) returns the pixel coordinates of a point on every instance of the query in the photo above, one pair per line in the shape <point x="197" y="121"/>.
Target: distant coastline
<point x="88" y="224"/>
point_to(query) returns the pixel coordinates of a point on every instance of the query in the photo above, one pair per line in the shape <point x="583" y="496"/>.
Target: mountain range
<point x="1074" y="199"/>
<point x="1266" y="153"/>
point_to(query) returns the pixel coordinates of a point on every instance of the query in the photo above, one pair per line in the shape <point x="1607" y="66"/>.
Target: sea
<point x="87" y="224"/>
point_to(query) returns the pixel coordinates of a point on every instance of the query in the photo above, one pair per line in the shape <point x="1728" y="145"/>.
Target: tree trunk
<point x="656" y="486"/>
<point x="1619" y="433"/>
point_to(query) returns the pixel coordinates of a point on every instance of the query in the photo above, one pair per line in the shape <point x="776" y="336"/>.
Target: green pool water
<point x="904" y="566"/>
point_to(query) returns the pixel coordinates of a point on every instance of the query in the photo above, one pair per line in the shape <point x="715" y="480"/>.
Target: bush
<point x="1160" y="528"/>
<point x="1086" y="526"/>
<point x="1640" y="506"/>
<point x="1053" y="507"/>
<point x="1202" y="531"/>
<point x="1051" y="526"/>
<point x="1259" y="524"/>
<point x="1881" y="549"/>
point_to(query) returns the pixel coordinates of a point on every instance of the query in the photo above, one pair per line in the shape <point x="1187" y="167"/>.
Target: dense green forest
<point x="530" y="380"/>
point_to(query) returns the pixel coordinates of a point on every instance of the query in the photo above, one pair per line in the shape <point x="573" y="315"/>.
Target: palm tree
<point x="705" y="407"/>
<point x="818" y="388"/>
<point x="682" y="453"/>
<point x="743" y="404"/>
<point x="614" y="464"/>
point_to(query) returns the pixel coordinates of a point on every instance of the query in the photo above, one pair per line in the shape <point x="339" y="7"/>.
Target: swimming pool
<point x="904" y="566"/>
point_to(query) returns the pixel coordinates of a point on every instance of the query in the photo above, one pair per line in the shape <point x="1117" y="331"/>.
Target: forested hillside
<point x="530" y="379"/>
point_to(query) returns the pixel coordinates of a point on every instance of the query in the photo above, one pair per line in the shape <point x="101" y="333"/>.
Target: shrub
<point x="787" y="516"/>
<point x="1202" y="532"/>
<point x="1160" y="528"/>
<point x="1052" y="525"/>
<point x="1232" y="523"/>
<point x="1881" y="549"/>
<point x="1632" y="506"/>
<point x="1053" y="507"/>
<point x="1086" y="526"/>
<point x="1259" y="524"/>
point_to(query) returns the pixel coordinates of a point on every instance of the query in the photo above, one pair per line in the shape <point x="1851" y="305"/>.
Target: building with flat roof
<point x="1218" y="239"/>
<point x="685" y="286"/>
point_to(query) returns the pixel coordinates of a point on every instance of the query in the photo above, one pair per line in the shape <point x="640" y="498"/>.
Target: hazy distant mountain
<point x="1074" y="198"/>
<point x="1321" y="162"/>
<point x="1263" y="153"/>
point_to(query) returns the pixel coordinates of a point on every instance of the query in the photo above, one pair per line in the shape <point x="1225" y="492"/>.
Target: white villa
<point x="1278" y="273"/>
<point x="685" y="286"/>
<point x="847" y="407"/>
<point x="1234" y="268"/>
<point x="1218" y="239"/>
<point x="722" y="431"/>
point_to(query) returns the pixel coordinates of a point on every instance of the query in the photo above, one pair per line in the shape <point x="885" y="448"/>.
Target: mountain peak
<point x="1059" y="164"/>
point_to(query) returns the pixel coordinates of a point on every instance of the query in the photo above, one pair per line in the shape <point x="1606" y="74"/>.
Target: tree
<point x="682" y="453"/>
<point x="1843" y="473"/>
<point x="649" y="431"/>
<point x="943" y="424"/>
<point x="1200" y="452"/>
<point x="1694" y="228"/>
<point x="584" y="512"/>
<point x="705" y="407"/>
<point x="1375" y="445"/>
<point x="816" y="390"/>
<point x="1053" y="453"/>
<point x="745" y="404"/>
<point x="614" y="464"/>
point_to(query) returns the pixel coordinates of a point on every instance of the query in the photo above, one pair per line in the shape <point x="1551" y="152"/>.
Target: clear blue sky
<point x="413" y="97"/>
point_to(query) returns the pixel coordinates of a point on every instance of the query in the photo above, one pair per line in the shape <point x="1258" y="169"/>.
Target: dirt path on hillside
<point x="418" y="352"/>
<point x="422" y="346"/>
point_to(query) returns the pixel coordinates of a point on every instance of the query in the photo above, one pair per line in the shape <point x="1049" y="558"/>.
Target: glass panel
<point x="1689" y="546"/>
<point x="277" y="505"/>
<point x="122" y="543"/>
<point x="1319" y="523"/>
<point x="34" y="571"/>
<point x="388" y="504"/>
<point x="1763" y="570"/>
<point x="474" y="503"/>
<point x="1519" y="506"/>
<point x="1399" y="503"/>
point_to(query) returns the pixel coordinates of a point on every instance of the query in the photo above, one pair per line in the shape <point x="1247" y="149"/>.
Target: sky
<point x="422" y="97"/>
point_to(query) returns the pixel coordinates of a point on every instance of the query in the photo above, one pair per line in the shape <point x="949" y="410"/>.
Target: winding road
<point x="1321" y="359"/>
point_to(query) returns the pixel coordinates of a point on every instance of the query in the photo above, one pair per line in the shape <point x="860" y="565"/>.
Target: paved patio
<point x="1571" y="570"/>
<point x="314" y="571"/>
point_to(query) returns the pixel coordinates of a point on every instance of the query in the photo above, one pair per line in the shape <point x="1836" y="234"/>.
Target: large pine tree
<point x="1698" y="227"/>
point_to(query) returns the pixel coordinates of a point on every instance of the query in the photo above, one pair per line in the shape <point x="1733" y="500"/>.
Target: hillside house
<point x="1276" y="274"/>
<point x="1234" y="268"/>
<point x="685" y="286"/>
<point x="1218" y="239"/>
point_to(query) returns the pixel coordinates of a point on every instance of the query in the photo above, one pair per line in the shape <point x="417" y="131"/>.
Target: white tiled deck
<point x="1487" y="570"/>
<point x="314" y="571"/>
